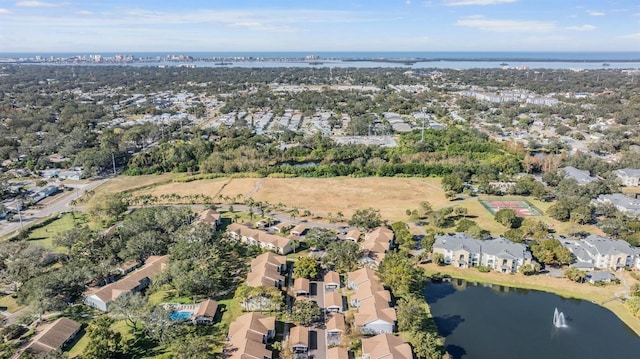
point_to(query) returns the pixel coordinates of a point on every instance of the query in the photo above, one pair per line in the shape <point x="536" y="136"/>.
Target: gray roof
<point x="582" y="265"/>
<point x="457" y="241"/>
<point x="628" y="172"/>
<point x="623" y="203"/>
<point x="608" y="246"/>
<point x="499" y="247"/>
<point x="582" y="177"/>
<point x="581" y="251"/>
<point x="504" y="248"/>
<point x="600" y="276"/>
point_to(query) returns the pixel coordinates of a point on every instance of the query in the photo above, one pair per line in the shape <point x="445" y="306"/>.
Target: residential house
<point x="499" y="254"/>
<point x="594" y="277"/>
<point x="72" y="174"/>
<point x="338" y="353"/>
<point x="377" y="243"/>
<point x="353" y="235"/>
<point x="298" y="230"/>
<point x="333" y="302"/>
<point x="604" y="253"/>
<point x="331" y="280"/>
<point x="248" y="336"/>
<point x="580" y="176"/>
<point x="335" y="328"/>
<point x="282" y="227"/>
<point x="210" y="217"/>
<point x="267" y="270"/>
<point x="625" y="204"/>
<point x="301" y="286"/>
<point x="385" y="346"/>
<point x="299" y="340"/>
<point x="206" y="312"/>
<point x="458" y="249"/>
<point x="135" y="281"/>
<point x="375" y="317"/>
<point x="373" y="292"/>
<point x="502" y="255"/>
<point x="361" y="277"/>
<point x="54" y="336"/>
<point x="250" y="236"/>
<point x="372" y="300"/>
<point x="629" y="176"/>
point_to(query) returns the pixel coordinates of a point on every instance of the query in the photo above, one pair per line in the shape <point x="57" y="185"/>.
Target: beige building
<point x="262" y="239"/>
<point x="248" y="336"/>
<point x="385" y="346"/>
<point x="54" y="336"/>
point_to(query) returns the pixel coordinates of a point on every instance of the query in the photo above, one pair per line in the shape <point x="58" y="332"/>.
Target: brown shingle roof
<point x="353" y="235"/>
<point x="338" y="353"/>
<point x="260" y="236"/>
<point x="209" y="216"/>
<point x="332" y="278"/>
<point x="208" y="308"/>
<point x="246" y="336"/>
<point x="153" y="266"/>
<point x="54" y="336"/>
<point x="332" y="300"/>
<point x="361" y="276"/>
<point x="377" y="242"/>
<point x="301" y="285"/>
<point x="299" y="336"/>
<point x="336" y="323"/>
<point x="371" y="311"/>
<point x="386" y="346"/>
<point x="264" y="270"/>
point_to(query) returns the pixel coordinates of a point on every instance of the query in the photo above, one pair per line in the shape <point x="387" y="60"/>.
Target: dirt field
<point x="391" y="195"/>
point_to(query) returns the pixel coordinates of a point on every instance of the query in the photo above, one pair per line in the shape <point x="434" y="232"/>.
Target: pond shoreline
<point x="602" y="296"/>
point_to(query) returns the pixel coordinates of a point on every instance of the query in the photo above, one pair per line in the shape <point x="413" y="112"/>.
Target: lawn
<point x="10" y="303"/>
<point x="43" y="236"/>
<point x="127" y="183"/>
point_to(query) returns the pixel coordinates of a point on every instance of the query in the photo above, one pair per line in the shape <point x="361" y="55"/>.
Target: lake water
<point x="488" y="321"/>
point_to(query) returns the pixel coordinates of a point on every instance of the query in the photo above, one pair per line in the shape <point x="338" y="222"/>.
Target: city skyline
<point x="376" y="25"/>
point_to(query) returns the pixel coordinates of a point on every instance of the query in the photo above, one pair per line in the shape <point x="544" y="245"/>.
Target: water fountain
<point x="558" y="319"/>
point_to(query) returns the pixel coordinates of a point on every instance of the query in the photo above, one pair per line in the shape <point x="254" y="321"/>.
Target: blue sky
<point x="319" y="25"/>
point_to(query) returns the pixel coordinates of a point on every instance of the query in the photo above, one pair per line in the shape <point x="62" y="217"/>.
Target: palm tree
<point x="294" y="213"/>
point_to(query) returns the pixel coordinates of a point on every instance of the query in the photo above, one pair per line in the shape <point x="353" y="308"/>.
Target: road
<point x="59" y="204"/>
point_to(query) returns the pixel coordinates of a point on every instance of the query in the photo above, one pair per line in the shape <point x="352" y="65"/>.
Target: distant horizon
<point x="290" y="25"/>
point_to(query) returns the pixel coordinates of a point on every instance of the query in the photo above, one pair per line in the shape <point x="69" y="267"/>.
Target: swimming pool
<point x="180" y="316"/>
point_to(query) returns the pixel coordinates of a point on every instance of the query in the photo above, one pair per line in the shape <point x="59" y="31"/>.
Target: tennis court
<point x="521" y="207"/>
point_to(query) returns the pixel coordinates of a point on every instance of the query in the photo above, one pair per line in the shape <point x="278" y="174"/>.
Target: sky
<point x="319" y="25"/>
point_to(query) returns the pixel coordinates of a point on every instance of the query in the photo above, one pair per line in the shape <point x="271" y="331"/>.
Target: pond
<point x="490" y="321"/>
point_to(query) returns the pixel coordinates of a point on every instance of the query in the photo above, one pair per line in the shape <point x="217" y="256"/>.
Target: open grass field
<point x="43" y="236"/>
<point x="209" y="187"/>
<point x="10" y="303"/>
<point x="128" y="183"/>
<point x="393" y="196"/>
<point x="560" y="286"/>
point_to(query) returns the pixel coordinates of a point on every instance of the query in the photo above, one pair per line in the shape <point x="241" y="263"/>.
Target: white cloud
<point x="5" y="11"/>
<point x="635" y="36"/>
<point x="482" y="23"/>
<point x="595" y="13"/>
<point x="581" y="28"/>
<point x="39" y="4"/>
<point x="476" y="2"/>
<point x="84" y="12"/>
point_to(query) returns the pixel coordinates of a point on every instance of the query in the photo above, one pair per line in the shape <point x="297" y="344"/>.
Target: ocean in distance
<point x="435" y="60"/>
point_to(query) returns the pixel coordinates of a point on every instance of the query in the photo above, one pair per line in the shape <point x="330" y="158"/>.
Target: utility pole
<point x="20" y="215"/>
<point x="113" y="161"/>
